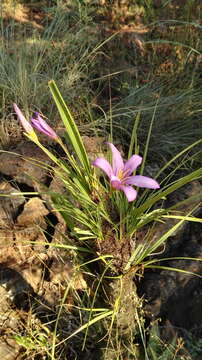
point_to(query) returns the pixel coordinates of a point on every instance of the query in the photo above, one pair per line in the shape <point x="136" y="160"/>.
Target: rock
<point x="33" y="274"/>
<point x="9" y="204"/>
<point x="59" y="231"/>
<point x="20" y="255"/>
<point x="94" y="146"/>
<point x="33" y="212"/>
<point x="9" y="324"/>
<point x="9" y="349"/>
<point x="25" y="164"/>
<point x="61" y="275"/>
<point x="28" y="241"/>
<point x="61" y="270"/>
<point x="56" y="186"/>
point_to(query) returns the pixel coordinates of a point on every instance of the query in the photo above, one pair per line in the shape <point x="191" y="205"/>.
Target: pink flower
<point x="120" y="174"/>
<point x="36" y="122"/>
<point x="41" y="125"/>
<point x="25" y="124"/>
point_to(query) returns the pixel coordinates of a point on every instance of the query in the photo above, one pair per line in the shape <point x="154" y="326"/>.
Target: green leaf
<point x="173" y="269"/>
<point x="185" y="218"/>
<point x="71" y="127"/>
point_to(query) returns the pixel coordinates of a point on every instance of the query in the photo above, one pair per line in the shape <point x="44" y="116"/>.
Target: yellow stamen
<point x="120" y="175"/>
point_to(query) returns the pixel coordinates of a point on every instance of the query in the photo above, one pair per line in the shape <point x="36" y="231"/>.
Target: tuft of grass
<point x="158" y="57"/>
<point x="61" y="48"/>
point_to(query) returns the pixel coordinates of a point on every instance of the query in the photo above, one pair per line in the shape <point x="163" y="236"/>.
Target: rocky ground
<point x="32" y="272"/>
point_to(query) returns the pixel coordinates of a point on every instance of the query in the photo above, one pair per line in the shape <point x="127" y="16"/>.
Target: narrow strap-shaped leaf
<point x="71" y="127"/>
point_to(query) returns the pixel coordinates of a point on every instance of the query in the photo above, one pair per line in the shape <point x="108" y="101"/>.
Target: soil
<point x="31" y="272"/>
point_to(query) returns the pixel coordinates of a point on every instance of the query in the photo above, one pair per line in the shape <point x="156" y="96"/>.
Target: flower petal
<point x="104" y="165"/>
<point x="142" y="181"/>
<point x="129" y="192"/>
<point x="132" y="164"/>
<point x="41" y="125"/>
<point x="26" y="125"/>
<point x="117" y="160"/>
